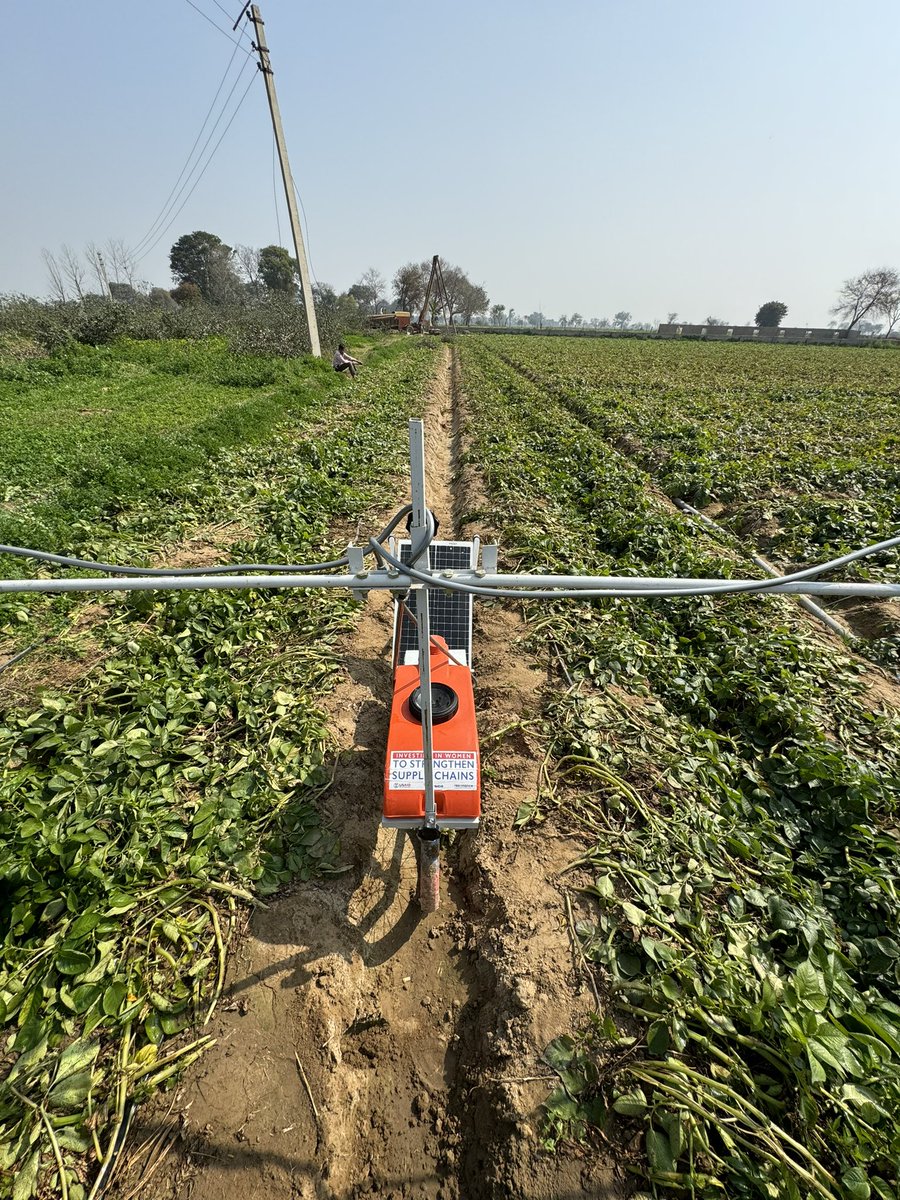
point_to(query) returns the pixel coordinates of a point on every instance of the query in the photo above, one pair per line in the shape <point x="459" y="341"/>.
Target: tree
<point x="535" y="319"/>
<point x="770" y="314"/>
<point x="54" y="275"/>
<point x="368" y="291"/>
<point x="864" y="294"/>
<point x="455" y="283"/>
<point x="120" y="262"/>
<point x="186" y="293"/>
<point x="473" y="301"/>
<point x="464" y="298"/>
<point x="714" y="321"/>
<point x="671" y="318"/>
<point x="890" y="309"/>
<point x="124" y="293"/>
<point x="576" y="320"/>
<point x="95" y="260"/>
<point x="73" y="270"/>
<point x="160" y="298"/>
<point x="375" y="282"/>
<point x="409" y="285"/>
<point x="497" y="311"/>
<point x="563" y="320"/>
<point x="278" y="270"/>
<point x="336" y="313"/>
<point x="621" y="319"/>
<point x="204" y="260"/>
<point x="247" y="258"/>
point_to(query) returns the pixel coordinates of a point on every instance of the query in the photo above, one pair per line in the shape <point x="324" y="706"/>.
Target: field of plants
<point x="726" y="775"/>
<point x="733" y="783"/>
<point x="160" y="754"/>
<point x="795" y="449"/>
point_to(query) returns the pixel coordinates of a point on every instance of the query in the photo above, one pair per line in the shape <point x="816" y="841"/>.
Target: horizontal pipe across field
<point x="813" y="609"/>
<point x="396" y="582"/>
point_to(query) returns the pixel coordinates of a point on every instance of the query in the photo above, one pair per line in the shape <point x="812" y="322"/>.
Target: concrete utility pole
<point x="290" y="194"/>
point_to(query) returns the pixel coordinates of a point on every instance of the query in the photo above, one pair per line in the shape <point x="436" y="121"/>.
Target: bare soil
<point x="364" y="1048"/>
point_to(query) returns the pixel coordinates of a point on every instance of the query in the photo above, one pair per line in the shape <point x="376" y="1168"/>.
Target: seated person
<point x="343" y="361"/>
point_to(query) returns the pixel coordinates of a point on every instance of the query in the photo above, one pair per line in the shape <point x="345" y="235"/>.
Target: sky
<point x="696" y="157"/>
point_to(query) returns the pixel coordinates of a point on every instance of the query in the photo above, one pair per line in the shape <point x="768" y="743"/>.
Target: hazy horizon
<point x="585" y="158"/>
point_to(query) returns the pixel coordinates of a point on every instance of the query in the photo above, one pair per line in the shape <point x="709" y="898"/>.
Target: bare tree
<point x="72" y="269"/>
<point x="248" y="266"/>
<point x="368" y="291"/>
<point x="621" y="319"/>
<point x="120" y="261"/>
<point x="890" y="309"/>
<point x="671" y="318"/>
<point x="94" y="257"/>
<point x="865" y="293"/>
<point x="54" y="275"/>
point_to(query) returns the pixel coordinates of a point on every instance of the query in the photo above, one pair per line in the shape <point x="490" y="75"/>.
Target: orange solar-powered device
<point x="456" y="769"/>
<point x="449" y="796"/>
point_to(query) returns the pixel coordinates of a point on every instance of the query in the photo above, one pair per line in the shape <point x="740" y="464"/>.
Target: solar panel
<point x="450" y="612"/>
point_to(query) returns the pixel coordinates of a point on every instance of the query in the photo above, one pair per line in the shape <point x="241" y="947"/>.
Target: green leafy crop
<point x="181" y="773"/>
<point x="736" y="797"/>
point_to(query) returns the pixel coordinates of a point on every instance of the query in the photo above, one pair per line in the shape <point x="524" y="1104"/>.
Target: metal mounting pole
<point x="417" y="533"/>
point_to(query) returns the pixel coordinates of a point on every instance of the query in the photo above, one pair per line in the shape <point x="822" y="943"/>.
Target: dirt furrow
<point x="365" y="1048"/>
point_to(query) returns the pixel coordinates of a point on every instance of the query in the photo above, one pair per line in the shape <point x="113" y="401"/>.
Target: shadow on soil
<point x="241" y="1159"/>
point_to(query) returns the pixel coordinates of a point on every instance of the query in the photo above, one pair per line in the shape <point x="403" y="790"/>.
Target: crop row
<point x="797" y="446"/>
<point x="139" y="804"/>
<point x="735" y="792"/>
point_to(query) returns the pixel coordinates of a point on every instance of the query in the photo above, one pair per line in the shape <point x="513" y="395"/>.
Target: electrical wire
<point x="616" y="592"/>
<point x="243" y="32"/>
<point x="164" y="210"/>
<point x="610" y="587"/>
<point x="223" y="32"/>
<point x="312" y="269"/>
<point x="84" y="564"/>
<point x="205" y="165"/>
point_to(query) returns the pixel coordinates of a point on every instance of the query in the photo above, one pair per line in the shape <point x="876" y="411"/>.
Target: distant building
<point x="753" y="333"/>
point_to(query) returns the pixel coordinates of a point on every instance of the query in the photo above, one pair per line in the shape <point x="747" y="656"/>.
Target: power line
<point x="306" y="223"/>
<point x="209" y="138"/>
<point x="223" y="32"/>
<point x="205" y="166"/>
<point x="223" y="9"/>
<point x="162" y="213"/>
